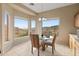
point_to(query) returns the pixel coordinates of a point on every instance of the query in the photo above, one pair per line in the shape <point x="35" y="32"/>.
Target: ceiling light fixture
<point x="42" y="17"/>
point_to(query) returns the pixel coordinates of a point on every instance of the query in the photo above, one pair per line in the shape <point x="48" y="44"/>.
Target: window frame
<point x="6" y="22"/>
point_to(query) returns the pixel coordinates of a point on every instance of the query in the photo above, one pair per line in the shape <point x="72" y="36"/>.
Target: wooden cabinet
<point x="73" y="43"/>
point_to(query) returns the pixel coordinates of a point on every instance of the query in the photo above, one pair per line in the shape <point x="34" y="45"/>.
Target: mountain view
<point x="19" y="32"/>
<point x="49" y="30"/>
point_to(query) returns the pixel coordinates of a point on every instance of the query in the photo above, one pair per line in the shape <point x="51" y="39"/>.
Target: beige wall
<point x="6" y="45"/>
<point x="0" y="26"/>
<point x="65" y="14"/>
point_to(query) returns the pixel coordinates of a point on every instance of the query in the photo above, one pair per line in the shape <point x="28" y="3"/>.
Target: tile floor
<point x="24" y="49"/>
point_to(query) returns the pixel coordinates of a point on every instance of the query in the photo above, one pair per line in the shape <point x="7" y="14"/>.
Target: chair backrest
<point x="35" y="40"/>
<point x="54" y="39"/>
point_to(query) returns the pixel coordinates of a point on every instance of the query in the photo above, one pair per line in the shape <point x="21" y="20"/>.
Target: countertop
<point x="75" y="36"/>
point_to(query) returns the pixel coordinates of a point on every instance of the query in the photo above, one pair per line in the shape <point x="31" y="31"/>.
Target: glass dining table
<point x="44" y="39"/>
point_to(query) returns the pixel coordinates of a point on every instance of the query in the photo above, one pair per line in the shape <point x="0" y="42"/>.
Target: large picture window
<point x="20" y="27"/>
<point x="50" y="26"/>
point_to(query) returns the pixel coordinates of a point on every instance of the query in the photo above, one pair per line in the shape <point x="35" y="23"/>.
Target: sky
<point x="49" y="23"/>
<point x="21" y="23"/>
<point x="24" y="23"/>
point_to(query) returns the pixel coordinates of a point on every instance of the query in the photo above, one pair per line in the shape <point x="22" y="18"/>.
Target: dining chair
<point x="35" y="42"/>
<point x="48" y="43"/>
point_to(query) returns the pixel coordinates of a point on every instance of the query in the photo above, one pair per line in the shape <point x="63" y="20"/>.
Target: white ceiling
<point x="41" y="7"/>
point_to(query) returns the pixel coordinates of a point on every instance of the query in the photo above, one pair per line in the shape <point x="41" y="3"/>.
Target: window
<point x="20" y="27"/>
<point x="33" y="25"/>
<point x="50" y="26"/>
<point x="6" y="26"/>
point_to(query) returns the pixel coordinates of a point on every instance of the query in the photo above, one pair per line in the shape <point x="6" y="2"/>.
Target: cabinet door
<point x="71" y="42"/>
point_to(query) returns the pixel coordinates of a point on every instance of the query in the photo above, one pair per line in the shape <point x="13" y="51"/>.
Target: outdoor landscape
<point x="19" y="32"/>
<point x="50" y="30"/>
